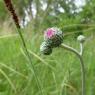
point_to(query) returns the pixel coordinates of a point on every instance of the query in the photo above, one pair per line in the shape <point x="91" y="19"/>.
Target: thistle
<point x="45" y="48"/>
<point x="81" y="38"/>
<point x="53" y="37"/>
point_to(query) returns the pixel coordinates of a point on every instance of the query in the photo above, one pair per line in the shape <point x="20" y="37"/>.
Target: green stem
<point x="32" y="68"/>
<point x="83" y="75"/>
<point x="79" y="55"/>
<point x="11" y="9"/>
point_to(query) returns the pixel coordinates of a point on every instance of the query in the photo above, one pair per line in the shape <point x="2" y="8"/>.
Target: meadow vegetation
<point x="58" y="73"/>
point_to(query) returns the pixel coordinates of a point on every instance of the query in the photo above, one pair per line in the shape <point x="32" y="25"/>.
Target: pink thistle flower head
<point x="53" y="36"/>
<point x="49" y="33"/>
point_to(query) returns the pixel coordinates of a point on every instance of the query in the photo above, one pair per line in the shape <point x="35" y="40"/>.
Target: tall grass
<point x="59" y="73"/>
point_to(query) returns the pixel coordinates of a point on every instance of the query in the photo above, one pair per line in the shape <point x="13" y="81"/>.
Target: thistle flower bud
<point x="81" y="38"/>
<point x="45" y="48"/>
<point x="53" y="36"/>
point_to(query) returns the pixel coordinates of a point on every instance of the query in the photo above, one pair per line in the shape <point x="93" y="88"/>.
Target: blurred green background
<point x="58" y="73"/>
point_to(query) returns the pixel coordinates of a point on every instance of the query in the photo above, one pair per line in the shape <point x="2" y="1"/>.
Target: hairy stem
<point x="81" y="49"/>
<point x="79" y="55"/>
